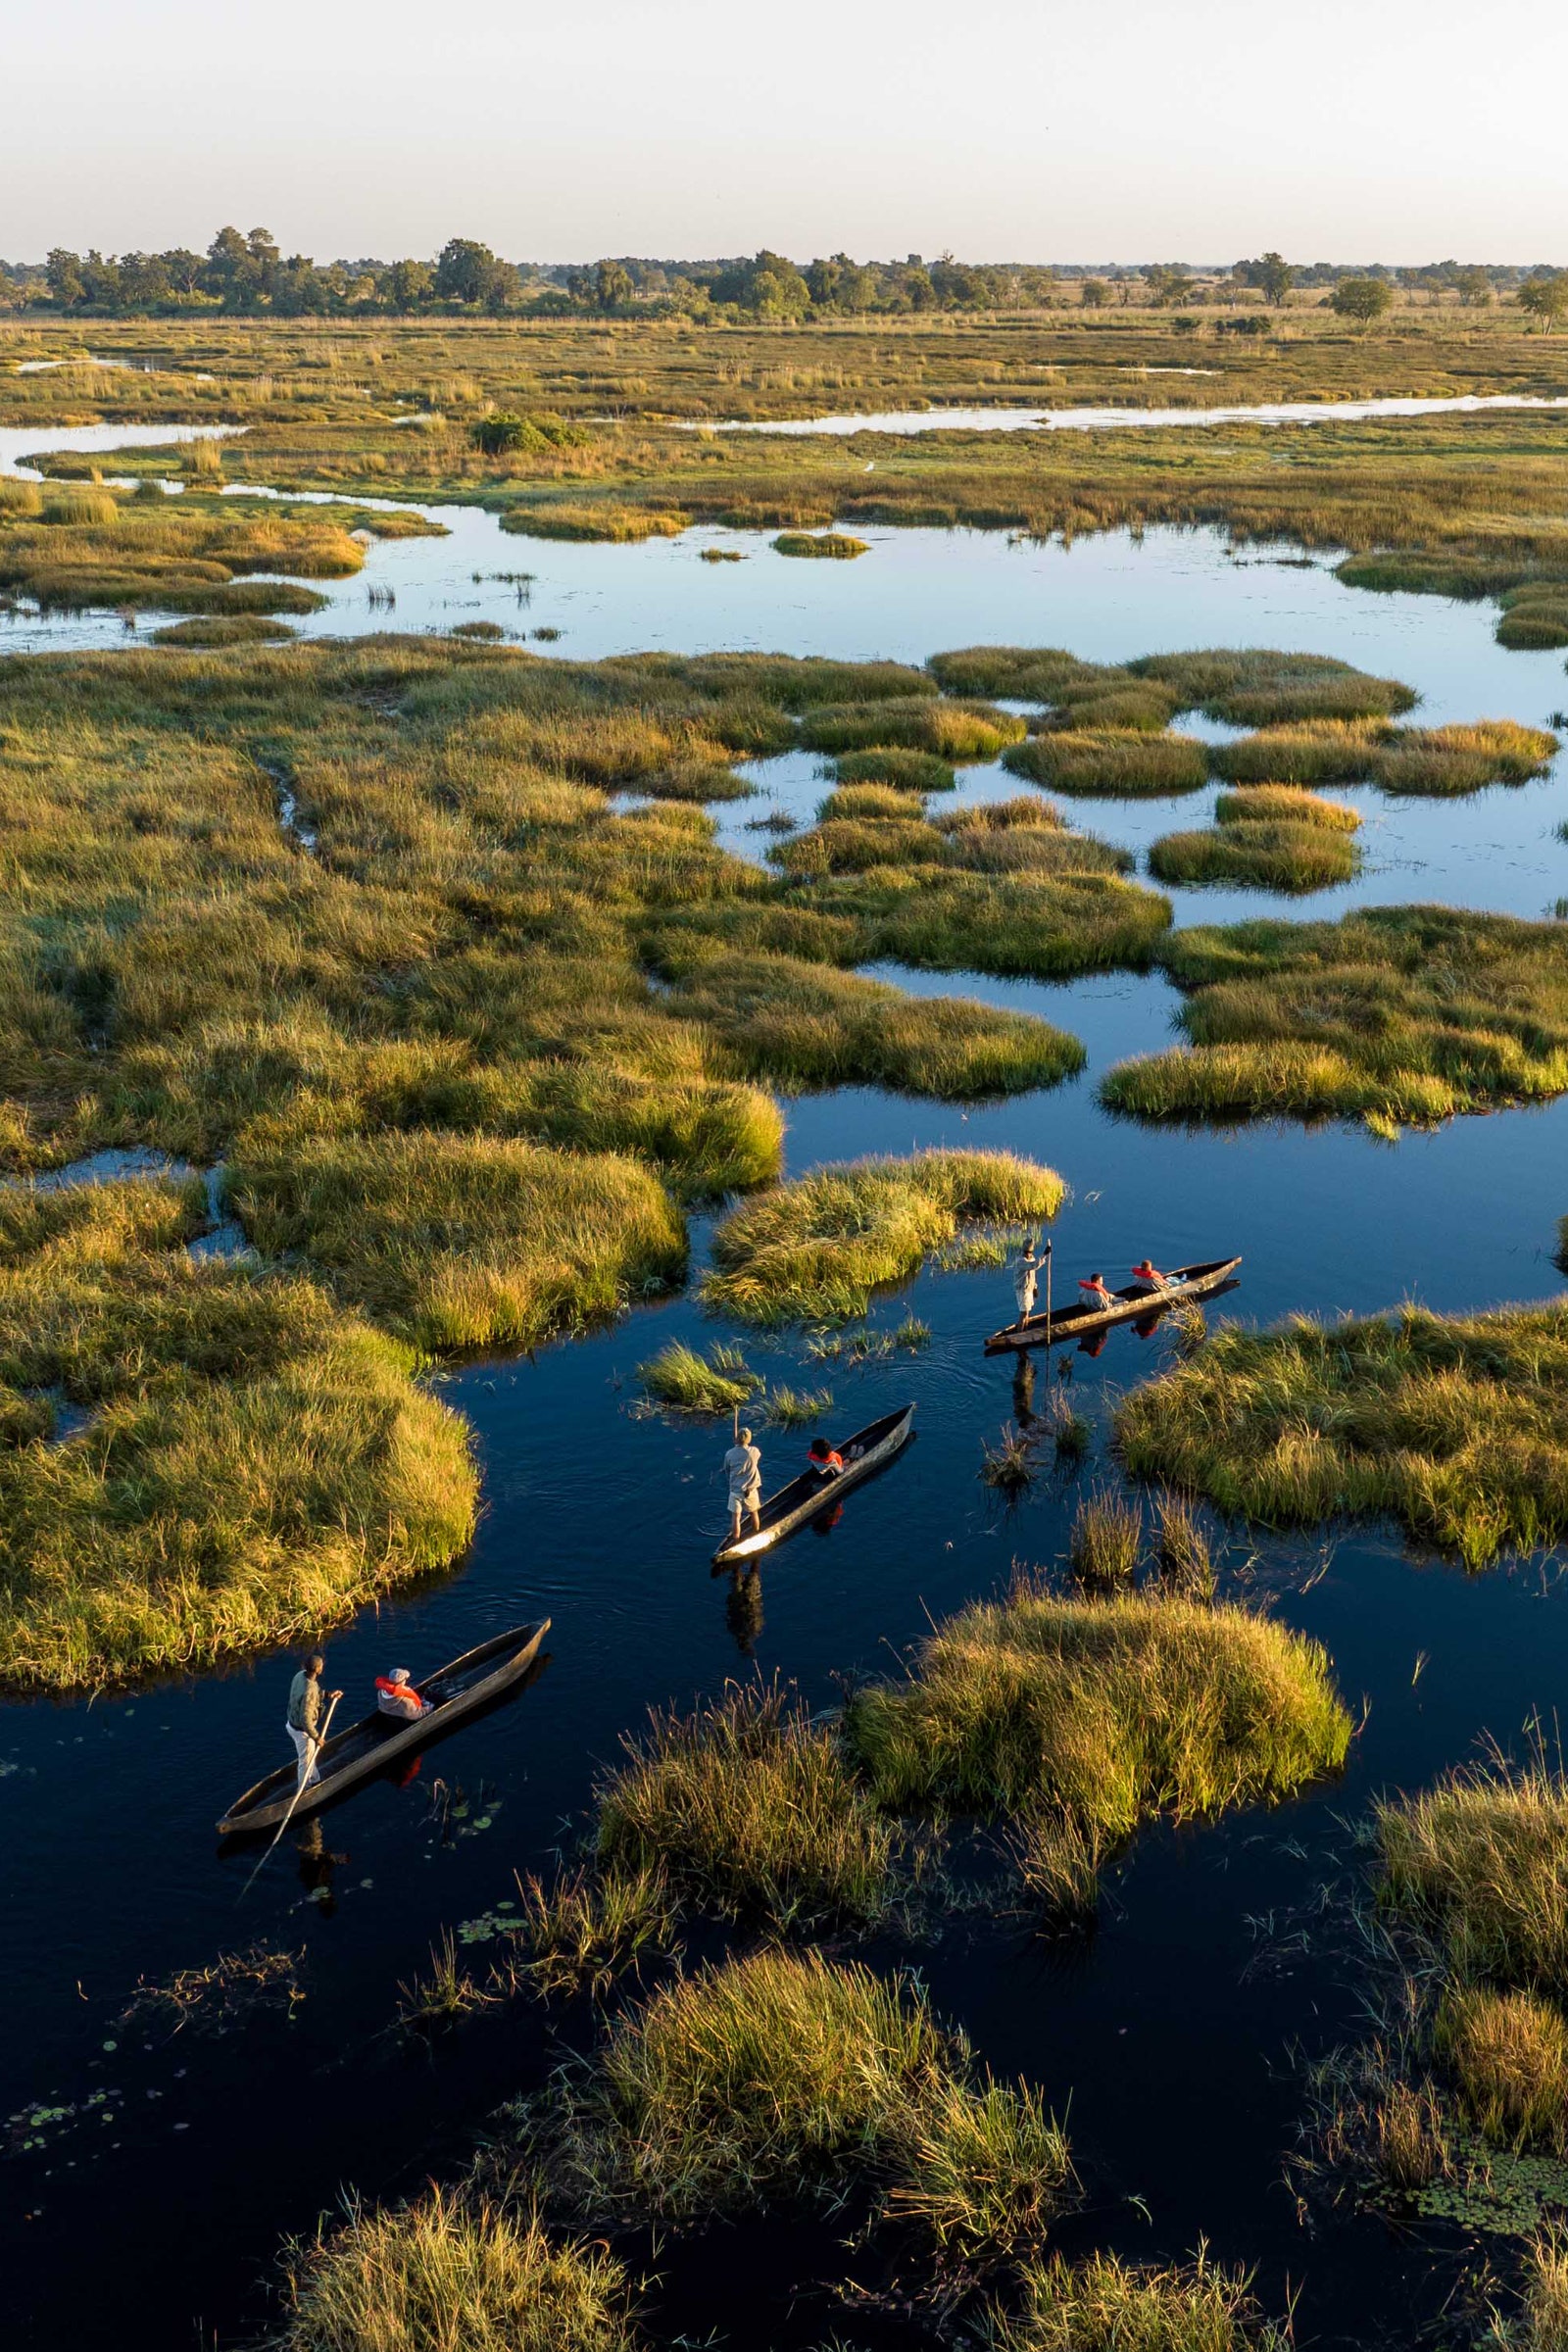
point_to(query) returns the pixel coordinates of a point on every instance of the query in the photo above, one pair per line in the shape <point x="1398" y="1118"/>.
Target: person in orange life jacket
<point x="396" y="1696"/>
<point x="1146" y="1272"/>
<point x="825" y="1459"/>
<point x="1095" y="1292"/>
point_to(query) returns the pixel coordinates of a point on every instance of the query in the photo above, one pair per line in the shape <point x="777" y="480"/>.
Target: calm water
<point x="1127" y="420"/>
<point x="159" y="2220"/>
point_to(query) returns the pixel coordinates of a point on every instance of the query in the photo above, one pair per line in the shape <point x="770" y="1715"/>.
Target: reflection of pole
<point x="1048" y="1291"/>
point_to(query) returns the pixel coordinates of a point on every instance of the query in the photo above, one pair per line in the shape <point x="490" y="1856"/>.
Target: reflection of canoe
<point x="810" y="1492"/>
<point x="1133" y="1303"/>
<point x="350" y="1756"/>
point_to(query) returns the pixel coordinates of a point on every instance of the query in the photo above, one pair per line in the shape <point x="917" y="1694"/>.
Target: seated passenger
<point x="1096" y="1292"/>
<point x="396" y="1696"/>
<point x="1150" y="1273"/>
<point x="824" y="1459"/>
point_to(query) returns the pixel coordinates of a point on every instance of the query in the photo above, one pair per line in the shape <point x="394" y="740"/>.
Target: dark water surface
<point x="150" y="2211"/>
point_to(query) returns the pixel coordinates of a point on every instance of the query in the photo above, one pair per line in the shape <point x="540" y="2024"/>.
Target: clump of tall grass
<point x="442" y="1996"/>
<point x="1506" y="2054"/>
<point x="1454" y="1425"/>
<point x="859" y="800"/>
<point x="1105" y="2305"/>
<point x="747" y="1807"/>
<point x="835" y="545"/>
<point x="904" y="771"/>
<point x="982" y="2171"/>
<point x="815" y="1251"/>
<point x="1479" y="1863"/>
<point x="1110" y="763"/>
<point x="1257" y="686"/>
<point x="1106" y="1542"/>
<point x="1103" y="1710"/>
<point x="619" y="524"/>
<point x="1040" y="924"/>
<point x="804" y="1024"/>
<point x="949" y="731"/>
<point x="795" y="1408"/>
<point x="1012" y="1462"/>
<point x="1182" y="1550"/>
<point x="1541" y="2322"/>
<point x="590" y="1926"/>
<point x="224" y="628"/>
<point x="689" y="1383"/>
<point x="1534" y="616"/>
<point x="451" y="2269"/>
<point x="1441" y="762"/>
<point x="1287" y="804"/>
<point x="1250" y="850"/>
<point x="464" y="1242"/>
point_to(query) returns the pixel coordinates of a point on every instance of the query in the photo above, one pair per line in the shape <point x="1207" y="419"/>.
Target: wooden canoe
<point x="1133" y="1303"/>
<point x="366" y="1747"/>
<point x="802" y="1500"/>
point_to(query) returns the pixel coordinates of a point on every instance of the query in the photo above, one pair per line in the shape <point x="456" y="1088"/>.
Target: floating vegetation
<point x="792" y="1408"/>
<point x="835" y="545"/>
<point x="1454" y="1425"/>
<point x="815" y="1251"/>
<point x="589" y="1928"/>
<point x="443" y="1995"/>
<point x="231" y="1988"/>
<point x="679" y="1377"/>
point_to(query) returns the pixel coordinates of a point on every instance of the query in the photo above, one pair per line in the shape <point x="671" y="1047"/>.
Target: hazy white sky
<point x="1005" y="129"/>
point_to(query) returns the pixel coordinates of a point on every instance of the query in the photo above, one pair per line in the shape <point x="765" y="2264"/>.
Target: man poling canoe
<point x="1026" y="1281"/>
<point x="306" y="1720"/>
<point x="743" y="1467"/>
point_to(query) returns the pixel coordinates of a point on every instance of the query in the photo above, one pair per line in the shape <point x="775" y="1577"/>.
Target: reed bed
<point x="258" y="1463"/>
<point x="1456" y="1426"/>
<point x="1395" y="1015"/>
<point x="450" y="2269"/>
<point x="817" y="1250"/>
<point x="746" y="1807"/>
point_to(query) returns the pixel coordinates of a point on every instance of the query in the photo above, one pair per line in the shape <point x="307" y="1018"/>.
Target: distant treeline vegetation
<point x="248" y="275"/>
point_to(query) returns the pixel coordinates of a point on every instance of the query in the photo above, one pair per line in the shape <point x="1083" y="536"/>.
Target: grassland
<point x="1399" y="1016"/>
<point x="1456" y="1426"/>
<point x="815" y="1249"/>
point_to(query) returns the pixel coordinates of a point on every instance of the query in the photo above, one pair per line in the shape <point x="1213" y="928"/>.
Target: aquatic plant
<point x="815" y="1251"/>
<point x="1506" y="2054"/>
<point x="584" y="1931"/>
<point x="1110" y="763"/>
<point x="1441" y="761"/>
<point x="746" y="1807"/>
<point x="1454" y="1425"/>
<point x="1259" y="686"/>
<point x="678" y="1377"/>
<point x="905" y="771"/>
<point x="1480" y="1863"/>
<point x="1262" y="848"/>
<point x="1101" y="1710"/>
<point x="450" y="2268"/>
<point x="1103" y="2304"/>
<point x="1106" y="1542"/>
<point x="832" y="544"/>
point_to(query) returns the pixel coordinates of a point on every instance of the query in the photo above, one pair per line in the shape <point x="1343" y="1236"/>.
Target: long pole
<point x="295" y="1798"/>
<point x="1047" y="1290"/>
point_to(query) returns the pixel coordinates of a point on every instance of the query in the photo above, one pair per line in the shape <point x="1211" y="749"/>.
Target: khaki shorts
<point x="751" y="1500"/>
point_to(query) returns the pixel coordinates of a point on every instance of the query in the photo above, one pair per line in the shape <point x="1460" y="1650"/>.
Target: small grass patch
<point x="815" y="1250"/>
<point x="678" y="1377"/>
<point x="746" y="1806"/>
<point x="589" y="1928"/>
<point x="450" y="2269"/>
<point x="620" y="524"/>
<point x="1110" y="763"/>
<point x="904" y="771"/>
<point x="949" y="731"/>
<point x="1267" y="837"/>
<point x="1107" y="1542"/>
<point x="1457" y="1426"/>
<point x="1107" y="2305"/>
<point x="1258" y="687"/>
<point x="1479" y="1863"/>
<point x="837" y="546"/>
<point x="1437" y="761"/>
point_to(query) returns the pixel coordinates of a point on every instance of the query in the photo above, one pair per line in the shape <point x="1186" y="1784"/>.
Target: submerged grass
<point x="815" y="1251"/>
<point x="1457" y="1426"/>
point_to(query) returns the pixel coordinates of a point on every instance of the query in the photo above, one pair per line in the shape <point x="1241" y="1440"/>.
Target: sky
<point x="1396" y="131"/>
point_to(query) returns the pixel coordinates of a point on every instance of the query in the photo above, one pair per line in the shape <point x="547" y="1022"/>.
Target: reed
<point x="1541" y="2322"/>
<point x="451" y="2269"/>
<point x="984" y="2172"/>
<point x="1451" y="1423"/>
<point x="1506" y="2054"/>
<point x="588" y="1929"/>
<point x="1107" y="1542"/>
<point x="685" y="1382"/>
<point x="1479" y="1863"/>
<point x="817" y="1250"/>
<point x="746" y="1807"/>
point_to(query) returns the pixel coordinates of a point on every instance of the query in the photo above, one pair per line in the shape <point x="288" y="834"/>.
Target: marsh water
<point x="152" y="2172"/>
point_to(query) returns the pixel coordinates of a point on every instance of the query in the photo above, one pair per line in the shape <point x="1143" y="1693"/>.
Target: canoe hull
<point x="796" y="1505"/>
<point x="1199" y="1281"/>
<point x="351" y="1757"/>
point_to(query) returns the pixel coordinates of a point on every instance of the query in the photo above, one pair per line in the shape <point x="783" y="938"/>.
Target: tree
<point x="466" y="272"/>
<point x="1363" y="299"/>
<point x="406" y="284"/>
<point x="611" y="285"/>
<point x="1167" y="282"/>
<point x="1094" y="294"/>
<point x="1474" y="289"/>
<point x="63" y="275"/>
<point x="1545" y="295"/>
<point x="1271" y="273"/>
<point x="183" y="270"/>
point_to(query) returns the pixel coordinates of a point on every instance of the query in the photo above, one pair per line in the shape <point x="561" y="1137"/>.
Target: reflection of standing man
<point x="1026" y="1281"/>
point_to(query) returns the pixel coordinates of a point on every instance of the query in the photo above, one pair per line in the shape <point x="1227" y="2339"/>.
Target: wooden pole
<point x="295" y="1798"/>
<point x="1047" y="1290"/>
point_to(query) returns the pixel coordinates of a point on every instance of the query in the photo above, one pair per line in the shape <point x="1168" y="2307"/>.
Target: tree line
<point x="248" y="275"/>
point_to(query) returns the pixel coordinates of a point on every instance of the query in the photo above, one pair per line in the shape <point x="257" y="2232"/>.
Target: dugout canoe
<point x="802" y="1500"/>
<point x="1134" y="1301"/>
<point x="348" y="1757"/>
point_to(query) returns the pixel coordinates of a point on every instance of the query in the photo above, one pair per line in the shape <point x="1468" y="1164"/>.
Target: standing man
<point x="305" y="1714"/>
<point x="743" y="1467"/>
<point x="1026" y="1280"/>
